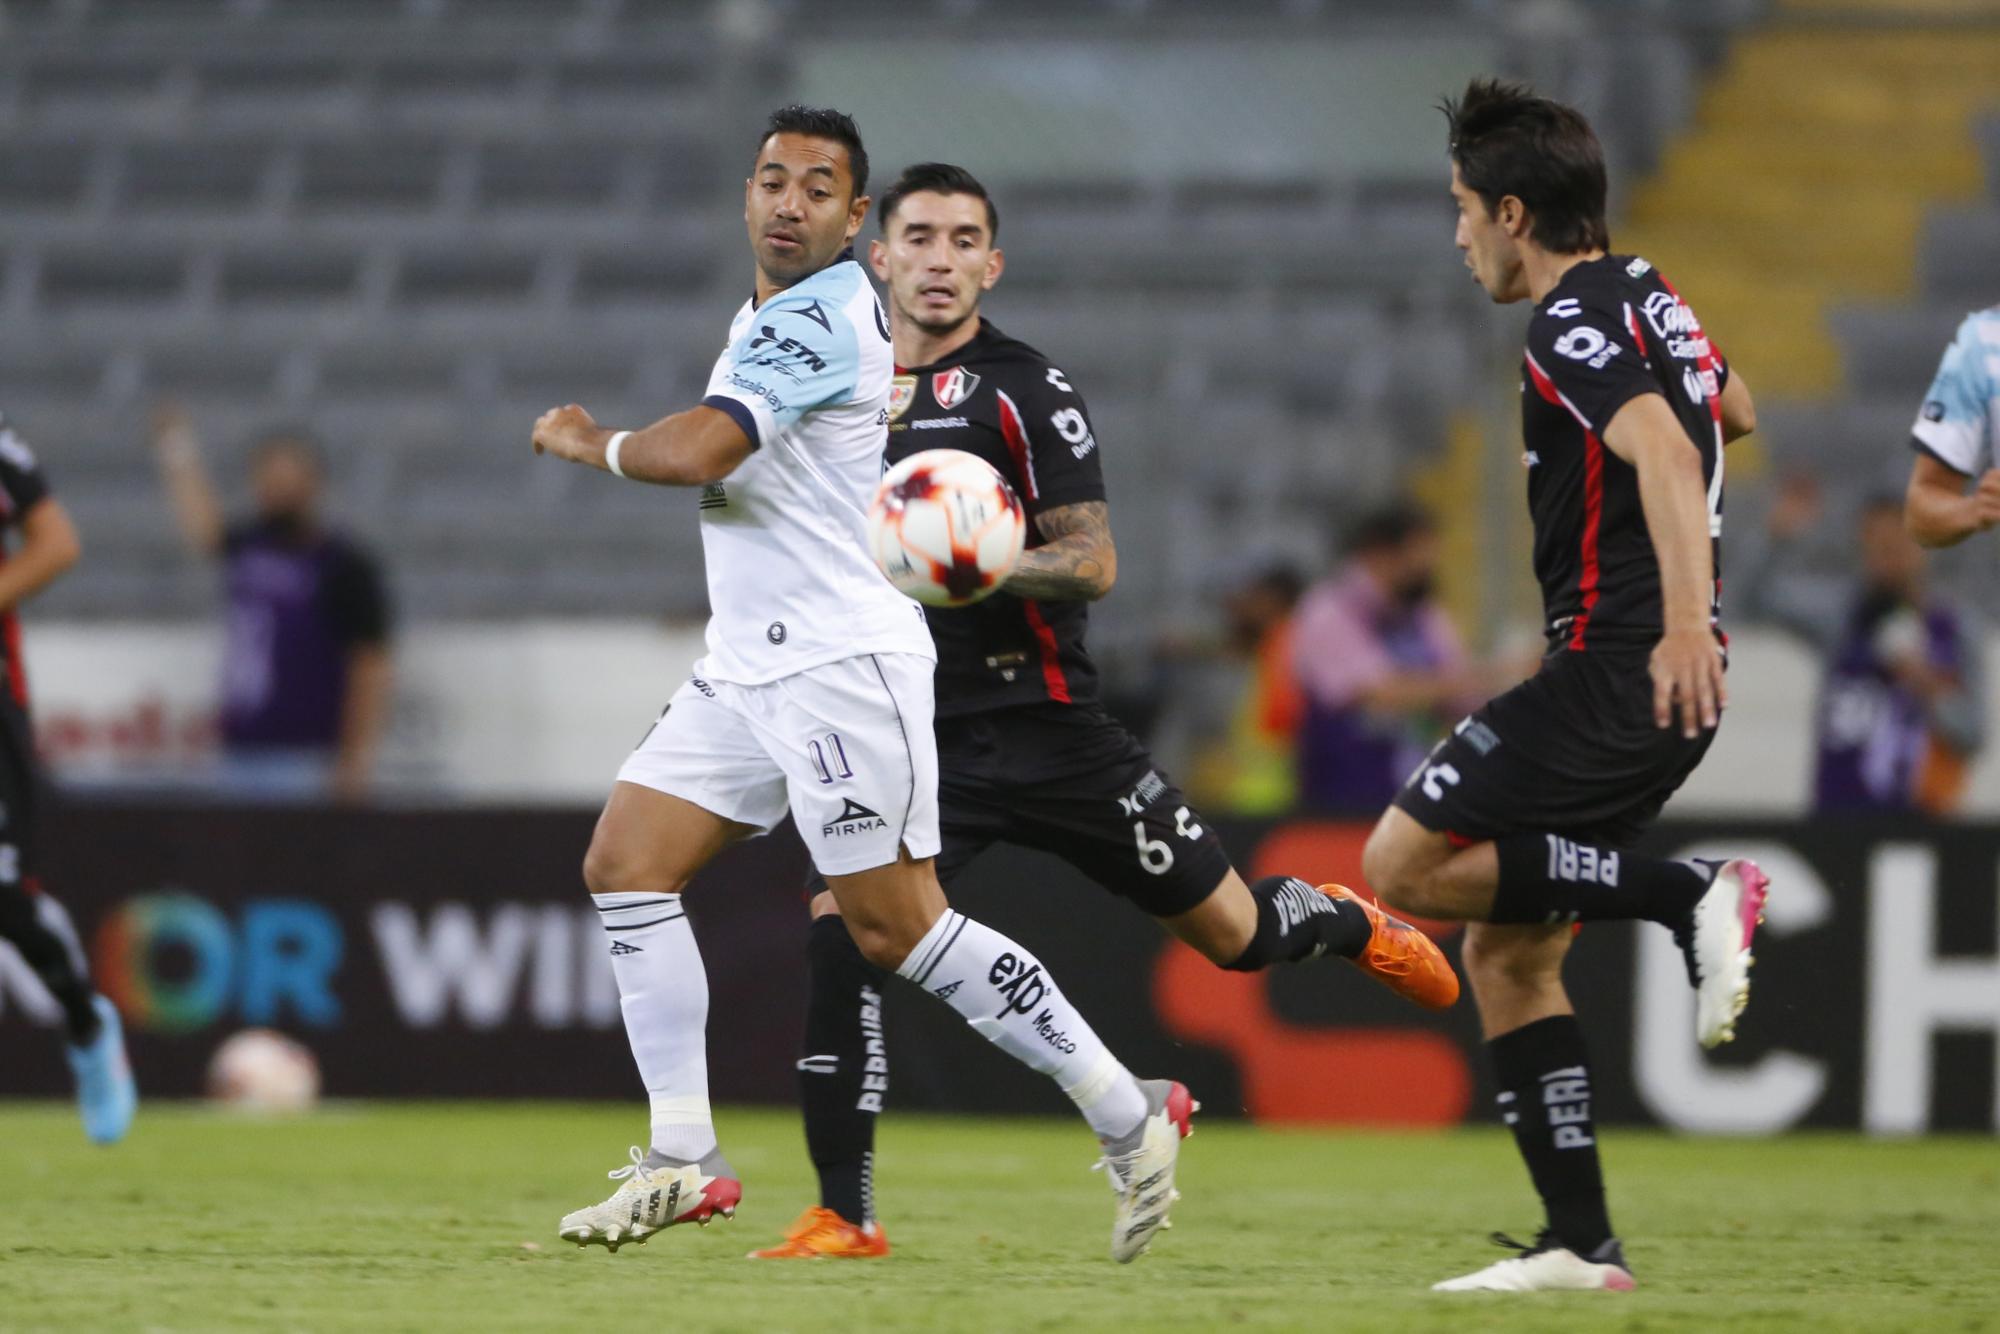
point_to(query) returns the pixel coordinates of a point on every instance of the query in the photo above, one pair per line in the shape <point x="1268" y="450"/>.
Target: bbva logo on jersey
<point x="951" y="388"/>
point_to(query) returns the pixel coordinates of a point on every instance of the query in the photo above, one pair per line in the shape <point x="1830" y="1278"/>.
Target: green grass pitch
<point x="438" y="1217"/>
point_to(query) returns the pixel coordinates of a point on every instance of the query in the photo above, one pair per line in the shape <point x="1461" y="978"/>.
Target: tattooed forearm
<point x="1076" y="563"/>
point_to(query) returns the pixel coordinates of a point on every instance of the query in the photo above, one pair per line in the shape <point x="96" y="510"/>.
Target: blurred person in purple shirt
<point x="306" y="672"/>
<point x="1381" y="668"/>
<point x="1902" y="708"/>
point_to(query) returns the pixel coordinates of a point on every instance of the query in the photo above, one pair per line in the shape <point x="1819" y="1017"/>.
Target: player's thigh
<point x="963" y="841"/>
<point x="1130" y="830"/>
<point x="698" y="781"/>
<point x="20" y="783"/>
<point x="854" y="741"/>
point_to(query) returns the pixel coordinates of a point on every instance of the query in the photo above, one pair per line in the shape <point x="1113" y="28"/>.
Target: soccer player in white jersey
<point x="814" y="697"/>
<point x="1957" y="436"/>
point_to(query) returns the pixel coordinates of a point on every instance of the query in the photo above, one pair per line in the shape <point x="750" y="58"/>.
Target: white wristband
<point x="611" y="448"/>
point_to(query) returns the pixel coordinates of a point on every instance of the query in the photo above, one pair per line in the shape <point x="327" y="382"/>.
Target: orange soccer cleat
<point x="1402" y="958"/>
<point x="822" y="1234"/>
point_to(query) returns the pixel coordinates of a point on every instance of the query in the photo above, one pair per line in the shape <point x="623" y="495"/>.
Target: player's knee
<point x="1393" y="874"/>
<point x="884" y="942"/>
<point x="611" y="869"/>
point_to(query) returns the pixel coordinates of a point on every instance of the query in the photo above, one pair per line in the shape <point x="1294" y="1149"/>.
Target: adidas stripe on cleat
<point x="653" y="1197"/>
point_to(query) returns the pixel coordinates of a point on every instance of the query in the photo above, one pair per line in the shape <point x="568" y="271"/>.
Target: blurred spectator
<point x="1902" y="710"/>
<point x="1381" y="669"/>
<point x="1249" y="769"/>
<point x="306" y="669"/>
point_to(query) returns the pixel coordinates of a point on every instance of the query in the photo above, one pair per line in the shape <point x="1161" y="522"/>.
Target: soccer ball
<point x="263" y="1071"/>
<point x="946" y="528"/>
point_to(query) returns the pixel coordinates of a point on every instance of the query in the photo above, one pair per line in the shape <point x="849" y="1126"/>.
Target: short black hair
<point x="822" y="123"/>
<point x="1506" y="140"/>
<point x="938" y="178"/>
<point x="289" y="439"/>
<point x="1389" y="527"/>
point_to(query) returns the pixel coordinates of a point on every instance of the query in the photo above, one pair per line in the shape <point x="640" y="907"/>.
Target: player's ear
<point x="996" y="264"/>
<point x="878" y="259"/>
<point x="857" y="215"/>
<point x="1513" y="216"/>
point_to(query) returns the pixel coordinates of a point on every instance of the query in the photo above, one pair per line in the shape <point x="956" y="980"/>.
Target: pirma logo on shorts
<point x="854" y="818"/>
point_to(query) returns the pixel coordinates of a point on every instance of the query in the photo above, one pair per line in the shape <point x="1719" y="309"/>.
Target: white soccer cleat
<point x="1140" y="1167"/>
<point x="1548" y="1267"/>
<point x="653" y="1197"/>
<point x="1718" y="948"/>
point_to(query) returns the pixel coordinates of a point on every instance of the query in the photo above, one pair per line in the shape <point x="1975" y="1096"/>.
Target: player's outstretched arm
<point x="691" y="448"/>
<point x="1078" y="562"/>
<point x="1938" y="510"/>
<point x="1687" y="665"/>
<point x="49" y="546"/>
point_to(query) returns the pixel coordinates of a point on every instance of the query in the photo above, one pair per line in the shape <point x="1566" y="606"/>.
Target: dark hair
<point x="1507" y="141"/>
<point x="274" y="440"/>
<point x="1389" y="527"/>
<point x="938" y="178"/>
<point x="822" y="123"/>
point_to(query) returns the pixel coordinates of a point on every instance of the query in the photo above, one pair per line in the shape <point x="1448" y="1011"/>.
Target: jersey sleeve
<point x="799" y="353"/>
<point x="1584" y="359"/>
<point x="1044" y="418"/>
<point x="20" y="473"/>
<point x="357" y="604"/>
<point x="1952" y="426"/>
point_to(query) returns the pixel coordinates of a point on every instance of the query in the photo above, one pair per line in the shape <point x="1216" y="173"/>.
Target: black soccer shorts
<point x="1071" y="781"/>
<point x="1570" y="751"/>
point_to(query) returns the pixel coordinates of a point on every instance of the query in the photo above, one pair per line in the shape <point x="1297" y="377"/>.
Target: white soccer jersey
<point x="1960" y="421"/>
<point x="790" y="583"/>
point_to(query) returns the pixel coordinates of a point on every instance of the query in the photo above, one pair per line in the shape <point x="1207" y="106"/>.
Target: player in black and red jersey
<point x="30" y="920"/>
<point x="1026" y="754"/>
<point x="1521" y="821"/>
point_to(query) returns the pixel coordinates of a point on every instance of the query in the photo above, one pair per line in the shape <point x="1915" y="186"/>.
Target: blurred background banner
<point x="450" y="953"/>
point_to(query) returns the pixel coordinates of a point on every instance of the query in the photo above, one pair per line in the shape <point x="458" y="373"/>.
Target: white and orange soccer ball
<point x="260" y="1070"/>
<point x="946" y="528"/>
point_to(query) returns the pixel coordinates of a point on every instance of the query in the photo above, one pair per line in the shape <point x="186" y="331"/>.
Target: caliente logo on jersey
<point x="951" y="388"/>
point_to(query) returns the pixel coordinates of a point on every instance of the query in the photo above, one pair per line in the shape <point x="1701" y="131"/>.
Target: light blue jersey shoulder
<point x="799" y="351"/>
<point x="1961" y="412"/>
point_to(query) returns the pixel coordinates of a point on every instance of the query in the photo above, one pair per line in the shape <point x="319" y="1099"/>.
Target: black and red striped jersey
<point x="1002" y="400"/>
<point x="22" y="487"/>
<point x="1611" y="330"/>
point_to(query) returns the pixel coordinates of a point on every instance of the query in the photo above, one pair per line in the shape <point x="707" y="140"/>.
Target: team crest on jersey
<point x="901" y="390"/>
<point x="951" y="388"/>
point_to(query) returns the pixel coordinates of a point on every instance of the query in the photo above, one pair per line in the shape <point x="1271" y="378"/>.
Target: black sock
<point x="38" y="927"/>
<point x="845" y="1074"/>
<point x="1296" y="921"/>
<point x="1544" y="1076"/>
<point x="1546" y="879"/>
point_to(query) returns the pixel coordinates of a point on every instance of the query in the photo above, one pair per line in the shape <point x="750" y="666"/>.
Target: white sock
<point x="1004" y="992"/>
<point x="663" y="990"/>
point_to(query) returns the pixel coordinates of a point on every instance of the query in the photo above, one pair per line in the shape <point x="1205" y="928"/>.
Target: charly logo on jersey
<point x="951" y="388"/>
<point x="902" y="390"/>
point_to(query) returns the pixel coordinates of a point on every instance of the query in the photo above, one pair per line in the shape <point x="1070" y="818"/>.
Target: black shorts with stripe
<point x="1069" y="780"/>
<point x="1572" y="751"/>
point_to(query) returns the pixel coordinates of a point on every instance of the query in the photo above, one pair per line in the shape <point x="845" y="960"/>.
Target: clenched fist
<point x="567" y="432"/>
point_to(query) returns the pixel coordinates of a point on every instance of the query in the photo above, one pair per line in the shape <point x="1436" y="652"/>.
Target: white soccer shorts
<point x="846" y="747"/>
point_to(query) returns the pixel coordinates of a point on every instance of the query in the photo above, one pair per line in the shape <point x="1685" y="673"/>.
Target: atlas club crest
<point x="951" y="388"/>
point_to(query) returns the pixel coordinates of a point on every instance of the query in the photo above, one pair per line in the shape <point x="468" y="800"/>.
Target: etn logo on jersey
<point x="951" y="388"/>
